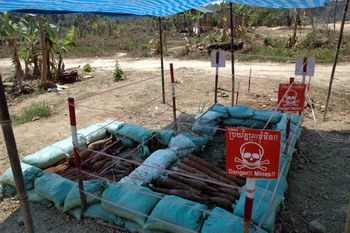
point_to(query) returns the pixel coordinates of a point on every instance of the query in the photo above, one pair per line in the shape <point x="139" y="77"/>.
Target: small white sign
<point x="221" y="62"/>
<point x="305" y="66"/>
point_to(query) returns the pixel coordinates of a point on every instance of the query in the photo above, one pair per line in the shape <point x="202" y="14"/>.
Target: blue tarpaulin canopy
<point x="136" y="7"/>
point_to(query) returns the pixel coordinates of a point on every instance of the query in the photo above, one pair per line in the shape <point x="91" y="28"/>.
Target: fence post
<point x="77" y="160"/>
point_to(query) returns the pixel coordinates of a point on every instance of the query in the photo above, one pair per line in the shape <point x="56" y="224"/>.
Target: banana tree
<point x="11" y="32"/>
<point x="29" y="38"/>
<point x="61" y="46"/>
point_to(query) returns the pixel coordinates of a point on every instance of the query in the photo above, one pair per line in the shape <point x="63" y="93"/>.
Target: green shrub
<point x="118" y="72"/>
<point x="270" y="40"/>
<point x="34" y="112"/>
<point x="87" y="68"/>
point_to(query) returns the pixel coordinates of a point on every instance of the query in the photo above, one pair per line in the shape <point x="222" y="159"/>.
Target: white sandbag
<point x="112" y="126"/>
<point x="181" y="145"/>
<point x="92" y="133"/>
<point x="161" y="158"/>
<point x="46" y="157"/>
<point x="182" y="142"/>
<point x="207" y="117"/>
<point x="145" y="174"/>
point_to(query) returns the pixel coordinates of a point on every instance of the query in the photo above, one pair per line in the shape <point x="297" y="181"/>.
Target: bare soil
<point x="318" y="180"/>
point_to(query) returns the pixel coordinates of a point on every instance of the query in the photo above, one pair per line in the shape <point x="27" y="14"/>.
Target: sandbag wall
<point x="129" y="196"/>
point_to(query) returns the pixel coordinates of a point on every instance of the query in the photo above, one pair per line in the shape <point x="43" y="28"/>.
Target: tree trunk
<point x="44" y="70"/>
<point x="18" y="79"/>
<point x="15" y="58"/>
<point x="59" y="66"/>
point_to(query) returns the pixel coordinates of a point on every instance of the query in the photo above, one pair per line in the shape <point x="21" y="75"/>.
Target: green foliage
<point x="270" y="40"/>
<point x="118" y="74"/>
<point x="87" y="68"/>
<point x="62" y="44"/>
<point x="36" y="111"/>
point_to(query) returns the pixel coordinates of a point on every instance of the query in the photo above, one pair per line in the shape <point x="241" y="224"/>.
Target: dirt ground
<point x="318" y="179"/>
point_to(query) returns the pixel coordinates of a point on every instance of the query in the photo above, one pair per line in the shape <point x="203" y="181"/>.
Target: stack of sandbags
<point x="30" y="174"/>
<point x="144" y="174"/>
<point x="207" y="122"/>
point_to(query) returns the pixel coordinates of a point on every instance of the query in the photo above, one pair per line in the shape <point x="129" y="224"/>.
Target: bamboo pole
<point x="12" y="152"/>
<point x="336" y="58"/>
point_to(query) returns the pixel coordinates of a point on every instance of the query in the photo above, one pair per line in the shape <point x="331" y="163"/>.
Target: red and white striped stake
<point x="248" y="206"/>
<point x="173" y="94"/>
<point x="237" y="94"/>
<point x="216" y="77"/>
<point x="77" y="160"/>
<point x="250" y="77"/>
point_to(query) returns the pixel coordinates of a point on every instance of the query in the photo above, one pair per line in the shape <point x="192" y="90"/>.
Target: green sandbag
<point x="221" y="109"/>
<point x="268" y="223"/>
<point x="126" y="141"/>
<point x="143" y="151"/>
<point x="112" y="126"/>
<point x="134" y="132"/>
<point x="176" y="214"/>
<point x="76" y="213"/>
<point x="33" y="196"/>
<point x="206" y="128"/>
<point x="53" y="187"/>
<point x="281" y="188"/>
<point x="94" y="187"/>
<point x="198" y="141"/>
<point x="46" y="157"/>
<point x="256" y="124"/>
<point x="92" y="133"/>
<point x="97" y="211"/>
<point x="264" y="115"/>
<point x="218" y="224"/>
<point x="241" y="111"/>
<point x="164" y="136"/>
<point x="295" y="119"/>
<point x="233" y="121"/>
<point x="29" y="172"/>
<point x="129" y="199"/>
<point x="8" y="190"/>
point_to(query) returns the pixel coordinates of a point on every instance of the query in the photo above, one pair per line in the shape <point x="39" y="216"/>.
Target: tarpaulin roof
<point x="136" y="7"/>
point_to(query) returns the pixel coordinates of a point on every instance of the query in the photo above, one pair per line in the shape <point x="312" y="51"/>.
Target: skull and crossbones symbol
<point x="291" y="98"/>
<point x="252" y="154"/>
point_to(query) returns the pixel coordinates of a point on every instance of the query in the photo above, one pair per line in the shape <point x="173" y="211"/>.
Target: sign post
<point x="173" y="94"/>
<point x="250" y="77"/>
<point x="217" y="60"/>
<point x="305" y="66"/>
<point x="292" y="99"/>
<point x="252" y="153"/>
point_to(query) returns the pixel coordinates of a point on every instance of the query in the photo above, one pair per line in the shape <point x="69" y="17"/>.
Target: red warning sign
<point x="294" y="100"/>
<point x="252" y="153"/>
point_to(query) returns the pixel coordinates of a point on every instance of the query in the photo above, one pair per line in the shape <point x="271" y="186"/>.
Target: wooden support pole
<point x="173" y="94"/>
<point x="12" y="152"/>
<point x="336" y="58"/>
<point x="216" y="77"/>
